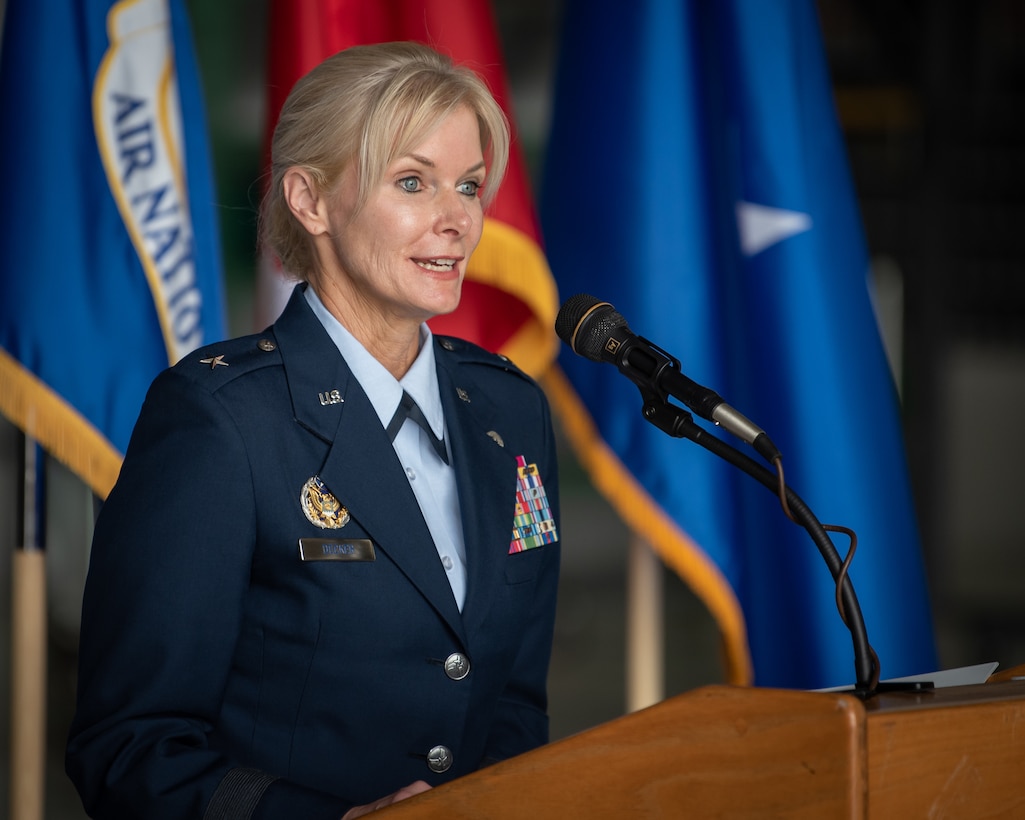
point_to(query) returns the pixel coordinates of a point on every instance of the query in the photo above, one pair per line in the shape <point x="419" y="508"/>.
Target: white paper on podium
<point x="962" y="676"/>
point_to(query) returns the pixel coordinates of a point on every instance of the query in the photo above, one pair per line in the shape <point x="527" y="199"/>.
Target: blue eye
<point x="409" y="184"/>
<point x="470" y="188"/>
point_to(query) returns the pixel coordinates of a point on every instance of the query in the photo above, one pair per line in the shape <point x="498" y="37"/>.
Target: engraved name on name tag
<point x="336" y="549"/>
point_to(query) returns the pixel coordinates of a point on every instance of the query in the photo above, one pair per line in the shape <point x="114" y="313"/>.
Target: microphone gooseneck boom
<point x="597" y="331"/>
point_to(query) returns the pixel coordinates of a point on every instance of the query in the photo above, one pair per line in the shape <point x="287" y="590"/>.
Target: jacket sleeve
<point x="161" y="613"/>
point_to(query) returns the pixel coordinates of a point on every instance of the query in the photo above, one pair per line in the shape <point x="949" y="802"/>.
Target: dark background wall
<point x="932" y="99"/>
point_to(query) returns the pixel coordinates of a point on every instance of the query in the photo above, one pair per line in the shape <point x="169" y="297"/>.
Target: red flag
<point x="509" y="298"/>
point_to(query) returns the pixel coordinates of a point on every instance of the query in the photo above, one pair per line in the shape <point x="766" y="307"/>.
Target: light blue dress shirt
<point x="432" y="480"/>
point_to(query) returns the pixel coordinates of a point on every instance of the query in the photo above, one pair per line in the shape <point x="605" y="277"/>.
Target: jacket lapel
<point x="316" y="374"/>
<point x="360" y="458"/>
<point x="486" y="478"/>
<point x="378" y="495"/>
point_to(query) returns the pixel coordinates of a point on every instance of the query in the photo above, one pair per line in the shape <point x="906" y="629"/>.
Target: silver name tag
<point x="336" y="549"/>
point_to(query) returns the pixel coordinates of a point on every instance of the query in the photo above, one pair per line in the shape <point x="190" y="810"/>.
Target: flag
<point x="696" y="179"/>
<point x="509" y="300"/>
<point x="108" y="243"/>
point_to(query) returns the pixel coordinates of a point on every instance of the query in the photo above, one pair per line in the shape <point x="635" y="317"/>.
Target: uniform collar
<point x="383" y="389"/>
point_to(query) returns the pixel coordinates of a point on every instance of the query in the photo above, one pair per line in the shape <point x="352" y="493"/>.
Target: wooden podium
<point x="724" y="751"/>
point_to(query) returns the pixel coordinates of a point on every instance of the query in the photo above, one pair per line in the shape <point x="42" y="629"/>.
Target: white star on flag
<point x="761" y="227"/>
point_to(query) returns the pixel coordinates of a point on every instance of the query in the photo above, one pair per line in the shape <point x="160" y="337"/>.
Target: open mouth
<point x="437" y="265"/>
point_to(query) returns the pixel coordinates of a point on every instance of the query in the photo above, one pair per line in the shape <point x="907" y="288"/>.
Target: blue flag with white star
<point x="696" y="178"/>
<point x="108" y="245"/>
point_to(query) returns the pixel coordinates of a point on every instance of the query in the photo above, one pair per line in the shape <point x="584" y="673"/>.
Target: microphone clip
<point x="643" y="362"/>
<point x="667" y="417"/>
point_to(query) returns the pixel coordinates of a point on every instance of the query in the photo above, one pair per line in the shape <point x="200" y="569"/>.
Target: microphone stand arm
<point x="678" y="423"/>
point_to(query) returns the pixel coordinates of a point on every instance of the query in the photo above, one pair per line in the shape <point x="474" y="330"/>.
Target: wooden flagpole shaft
<point x="28" y="659"/>
<point x="28" y="684"/>
<point x="645" y="627"/>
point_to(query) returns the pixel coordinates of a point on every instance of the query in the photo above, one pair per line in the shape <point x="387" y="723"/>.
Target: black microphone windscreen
<point x="572" y="311"/>
<point x="585" y="324"/>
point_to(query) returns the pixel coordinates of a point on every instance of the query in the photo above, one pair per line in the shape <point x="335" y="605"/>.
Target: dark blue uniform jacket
<point x="221" y="675"/>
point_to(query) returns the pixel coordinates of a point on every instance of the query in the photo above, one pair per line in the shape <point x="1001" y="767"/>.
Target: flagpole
<point x="28" y="654"/>
<point x="645" y="628"/>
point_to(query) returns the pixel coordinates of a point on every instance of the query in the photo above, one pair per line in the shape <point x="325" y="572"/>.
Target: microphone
<point x="597" y="331"/>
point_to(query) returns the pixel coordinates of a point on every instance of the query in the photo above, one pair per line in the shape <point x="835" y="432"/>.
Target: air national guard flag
<point x="696" y="179"/>
<point x="108" y="243"/>
<point x="509" y="300"/>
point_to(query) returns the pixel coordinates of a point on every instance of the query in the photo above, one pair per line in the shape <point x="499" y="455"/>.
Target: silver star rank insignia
<point x="214" y="361"/>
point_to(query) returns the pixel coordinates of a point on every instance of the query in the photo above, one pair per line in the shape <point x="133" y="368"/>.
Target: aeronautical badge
<point x="533" y="524"/>
<point x="322" y="508"/>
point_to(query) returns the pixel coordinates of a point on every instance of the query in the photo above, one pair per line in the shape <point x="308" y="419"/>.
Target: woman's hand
<point x="406" y="791"/>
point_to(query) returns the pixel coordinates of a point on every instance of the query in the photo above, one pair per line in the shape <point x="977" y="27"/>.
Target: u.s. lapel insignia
<point x="533" y="523"/>
<point x="495" y="437"/>
<point x="321" y="507"/>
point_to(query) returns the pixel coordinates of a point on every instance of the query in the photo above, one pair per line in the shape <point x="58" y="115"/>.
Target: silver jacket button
<point x="439" y="759"/>
<point x="457" y="666"/>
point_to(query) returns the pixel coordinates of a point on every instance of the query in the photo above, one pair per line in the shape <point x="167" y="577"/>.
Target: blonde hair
<point x="366" y="106"/>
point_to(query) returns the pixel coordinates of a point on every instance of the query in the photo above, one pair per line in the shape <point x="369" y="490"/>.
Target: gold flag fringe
<point x="45" y="417"/>
<point x="511" y="261"/>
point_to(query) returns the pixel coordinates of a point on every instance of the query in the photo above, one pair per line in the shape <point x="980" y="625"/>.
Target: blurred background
<point x="931" y="97"/>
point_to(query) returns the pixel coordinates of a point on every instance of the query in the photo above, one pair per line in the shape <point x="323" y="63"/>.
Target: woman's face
<point x="404" y="256"/>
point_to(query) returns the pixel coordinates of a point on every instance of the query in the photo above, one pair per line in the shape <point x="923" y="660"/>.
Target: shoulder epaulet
<point x="222" y="362"/>
<point x="470" y="353"/>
